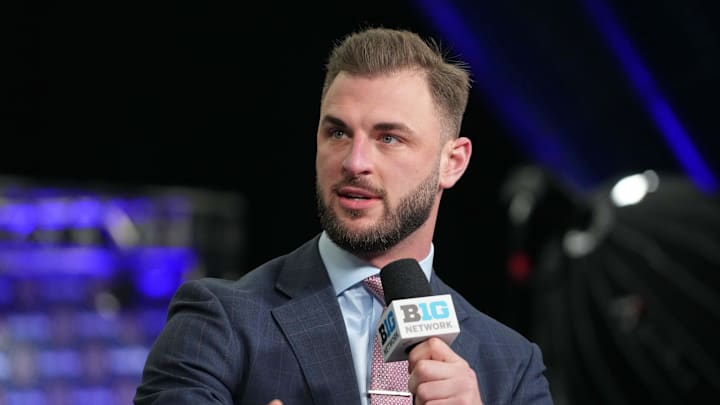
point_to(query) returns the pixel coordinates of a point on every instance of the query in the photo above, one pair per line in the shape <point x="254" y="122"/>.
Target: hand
<point x="275" y="402"/>
<point x="439" y="376"/>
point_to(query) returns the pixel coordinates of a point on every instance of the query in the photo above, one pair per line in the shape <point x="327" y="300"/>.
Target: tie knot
<point x="374" y="284"/>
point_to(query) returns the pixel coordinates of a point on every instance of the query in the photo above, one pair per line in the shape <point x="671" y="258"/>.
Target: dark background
<point x="225" y="96"/>
<point x="221" y="96"/>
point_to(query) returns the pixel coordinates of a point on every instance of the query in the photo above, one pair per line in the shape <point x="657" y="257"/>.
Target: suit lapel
<point x="313" y="325"/>
<point x="460" y="346"/>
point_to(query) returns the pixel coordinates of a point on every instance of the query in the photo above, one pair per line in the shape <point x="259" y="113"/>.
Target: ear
<point x="455" y="159"/>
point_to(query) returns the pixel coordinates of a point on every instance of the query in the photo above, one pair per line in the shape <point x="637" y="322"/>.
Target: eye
<point x="337" y="134"/>
<point x="388" y="139"/>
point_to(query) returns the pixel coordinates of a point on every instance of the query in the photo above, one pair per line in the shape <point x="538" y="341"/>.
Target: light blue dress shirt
<point x="360" y="309"/>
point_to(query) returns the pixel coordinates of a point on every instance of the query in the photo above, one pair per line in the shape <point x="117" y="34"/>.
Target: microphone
<point x="413" y="314"/>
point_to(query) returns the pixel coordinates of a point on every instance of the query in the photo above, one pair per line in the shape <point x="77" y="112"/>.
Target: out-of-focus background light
<point x="86" y="276"/>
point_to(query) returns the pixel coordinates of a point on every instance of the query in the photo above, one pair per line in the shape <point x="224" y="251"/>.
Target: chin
<point x="358" y="224"/>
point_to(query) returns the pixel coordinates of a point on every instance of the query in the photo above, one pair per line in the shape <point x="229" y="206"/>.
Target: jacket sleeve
<point x="533" y="387"/>
<point x="194" y="359"/>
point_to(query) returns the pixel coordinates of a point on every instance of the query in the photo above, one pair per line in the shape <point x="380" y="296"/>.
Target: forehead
<point x="403" y="95"/>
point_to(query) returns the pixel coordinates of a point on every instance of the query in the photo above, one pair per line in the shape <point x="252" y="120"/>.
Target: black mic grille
<point x="404" y="279"/>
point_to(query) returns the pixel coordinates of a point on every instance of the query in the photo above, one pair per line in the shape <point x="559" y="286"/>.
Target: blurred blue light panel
<point x="31" y="261"/>
<point x="27" y="397"/>
<point x="158" y="282"/>
<point x="152" y="321"/>
<point x="59" y="363"/>
<point x="65" y="273"/>
<point x="24" y="216"/>
<point x="29" y="327"/>
<point x="534" y="132"/>
<point x="19" y="218"/>
<point x="4" y="367"/>
<point x="52" y="214"/>
<point x="128" y="360"/>
<point x="64" y="288"/>
<point x="91" y="325"/>
<point x="7" y="292"/>
<point x="93" y="395"/>
<point x="656" y="105"/>
<point x="159" y="271"/>
<point x="86" y="212"/>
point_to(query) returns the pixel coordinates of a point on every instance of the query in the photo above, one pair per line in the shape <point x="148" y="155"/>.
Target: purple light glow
<point x="159" y="271"/>
<point x="19" y="218"/>
<point x="657" y="106"/>
<point x="526" y="122"/>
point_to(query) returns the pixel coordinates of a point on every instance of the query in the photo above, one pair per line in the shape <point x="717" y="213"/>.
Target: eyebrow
<point x="382" y="126"/>
<point x="329" y="119"/>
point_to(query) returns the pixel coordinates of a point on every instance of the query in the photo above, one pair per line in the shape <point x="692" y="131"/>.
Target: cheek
<point x="320" y="163"/>
<point x="327" y="158"/>
<point x="398" y="186"/>
<point x="326" y="166"/>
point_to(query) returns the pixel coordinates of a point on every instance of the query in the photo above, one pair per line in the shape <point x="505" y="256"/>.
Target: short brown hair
<point x="378" y="50"/>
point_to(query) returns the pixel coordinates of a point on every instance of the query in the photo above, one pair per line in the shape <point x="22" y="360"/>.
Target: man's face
<point x="378" y="148"/>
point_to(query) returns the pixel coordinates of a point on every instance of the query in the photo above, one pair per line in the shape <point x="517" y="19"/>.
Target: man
<point x="298" y="329"/>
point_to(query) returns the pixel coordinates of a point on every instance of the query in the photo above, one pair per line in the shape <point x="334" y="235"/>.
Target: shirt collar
<point x="346" y="269"/>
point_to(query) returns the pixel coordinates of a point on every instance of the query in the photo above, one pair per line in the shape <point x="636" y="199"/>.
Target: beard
<point x="394" y="226"/>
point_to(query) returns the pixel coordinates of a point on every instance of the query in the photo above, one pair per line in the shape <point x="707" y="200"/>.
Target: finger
<point x="426" y="371"/>
<point x="445" y="393"/>
<point x="435" y="370"/>
<point x="275" y="402"/>
<point x="433" y="348"/>
<point x="434" y="380"/>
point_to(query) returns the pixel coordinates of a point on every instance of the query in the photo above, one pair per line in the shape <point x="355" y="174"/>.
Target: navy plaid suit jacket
<point x="277" y="332"/>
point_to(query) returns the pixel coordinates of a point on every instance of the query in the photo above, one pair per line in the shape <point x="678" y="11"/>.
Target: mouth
<point x="356" y="193"/>
<point x="355" y="198"/>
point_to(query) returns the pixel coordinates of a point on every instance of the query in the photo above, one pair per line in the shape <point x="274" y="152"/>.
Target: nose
<point x="359" y="156"/>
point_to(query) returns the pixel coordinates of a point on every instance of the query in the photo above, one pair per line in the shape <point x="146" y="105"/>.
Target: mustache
<point x="359" y="183"/>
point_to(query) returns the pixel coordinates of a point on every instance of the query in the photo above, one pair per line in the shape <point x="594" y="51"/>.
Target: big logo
<point x="387" y="327"/>
<point x="425" y="311"/>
